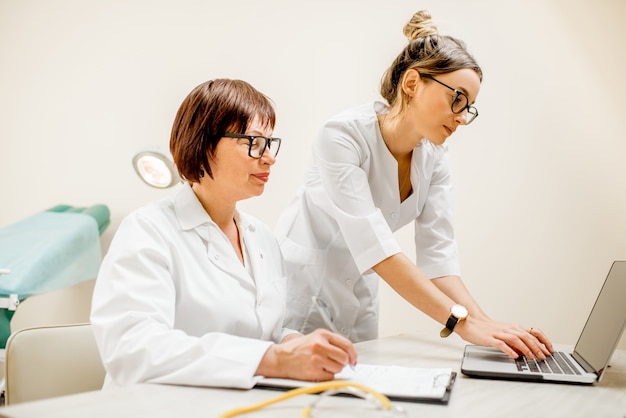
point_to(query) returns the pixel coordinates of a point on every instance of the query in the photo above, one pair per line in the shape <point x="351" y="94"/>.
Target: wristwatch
<point x="457" y="313"/>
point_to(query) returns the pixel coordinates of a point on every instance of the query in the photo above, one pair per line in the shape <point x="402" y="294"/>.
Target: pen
<point x="324" y="311"/>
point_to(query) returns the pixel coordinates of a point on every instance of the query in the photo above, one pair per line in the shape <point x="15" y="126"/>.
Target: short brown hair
<point x="207" y="113"/>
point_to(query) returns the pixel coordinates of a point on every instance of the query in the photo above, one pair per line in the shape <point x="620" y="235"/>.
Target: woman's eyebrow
<point x="463" y="90"/>
<point x="256" y="133"/>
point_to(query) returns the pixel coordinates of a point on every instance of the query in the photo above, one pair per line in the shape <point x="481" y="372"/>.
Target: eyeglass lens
<point x="259" y="144"/>
<point x="460" y="103"/>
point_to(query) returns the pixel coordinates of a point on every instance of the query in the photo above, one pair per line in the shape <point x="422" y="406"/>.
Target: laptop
<point x="590" y="357"/>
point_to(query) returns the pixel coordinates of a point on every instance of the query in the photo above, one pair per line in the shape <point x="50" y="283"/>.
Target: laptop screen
<point x="605" y="324"/>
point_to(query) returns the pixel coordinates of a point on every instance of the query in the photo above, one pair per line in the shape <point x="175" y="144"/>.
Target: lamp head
<point x="156" y="168"/>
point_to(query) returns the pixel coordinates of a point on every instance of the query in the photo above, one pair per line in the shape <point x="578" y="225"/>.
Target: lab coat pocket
<point x="298" y="253"/>
<point x="305" y="268"/>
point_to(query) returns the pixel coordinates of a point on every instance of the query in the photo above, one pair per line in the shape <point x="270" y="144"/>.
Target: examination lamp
<point x="156" y="168"/>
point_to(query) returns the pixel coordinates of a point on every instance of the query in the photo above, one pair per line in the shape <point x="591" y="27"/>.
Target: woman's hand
<point x="514" y="340"/>
<point x="316" y="356"/>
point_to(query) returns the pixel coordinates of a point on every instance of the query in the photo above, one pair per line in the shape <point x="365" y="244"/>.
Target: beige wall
<point x="539" y="178"/>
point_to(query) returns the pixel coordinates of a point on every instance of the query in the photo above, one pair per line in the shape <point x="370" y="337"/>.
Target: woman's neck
<point x="396" y="135"/>
<point x="221" y="211"/>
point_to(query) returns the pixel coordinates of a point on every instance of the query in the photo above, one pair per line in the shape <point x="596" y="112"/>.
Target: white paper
<point x="399" y="381"/>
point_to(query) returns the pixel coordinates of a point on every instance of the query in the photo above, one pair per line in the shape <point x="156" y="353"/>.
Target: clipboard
<point x="398" y="383"/>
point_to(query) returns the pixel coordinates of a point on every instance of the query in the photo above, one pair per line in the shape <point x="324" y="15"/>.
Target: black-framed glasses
<point x="460" y="102"/>
<point x="257" y="144"/>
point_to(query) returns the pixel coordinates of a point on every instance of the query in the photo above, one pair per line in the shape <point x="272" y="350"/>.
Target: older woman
<point x="191" y="290"/>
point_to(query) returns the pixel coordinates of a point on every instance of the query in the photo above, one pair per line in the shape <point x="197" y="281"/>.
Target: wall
<point x="539" y="177"/>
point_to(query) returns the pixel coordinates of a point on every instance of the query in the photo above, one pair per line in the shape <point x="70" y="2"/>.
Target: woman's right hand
<point x="512" y="339"/>
<point x="315" y="357"/>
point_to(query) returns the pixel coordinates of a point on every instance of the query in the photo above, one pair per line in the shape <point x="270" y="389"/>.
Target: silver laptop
<point x="591" y="355"/>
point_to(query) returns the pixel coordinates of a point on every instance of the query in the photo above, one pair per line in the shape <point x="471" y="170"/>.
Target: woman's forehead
<point x="465" y="80"/>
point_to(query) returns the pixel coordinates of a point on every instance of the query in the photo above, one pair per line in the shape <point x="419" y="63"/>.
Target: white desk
<point x="470" y="397"/>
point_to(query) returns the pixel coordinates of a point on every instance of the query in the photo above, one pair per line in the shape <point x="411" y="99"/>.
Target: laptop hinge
<point x="581" y="361"/>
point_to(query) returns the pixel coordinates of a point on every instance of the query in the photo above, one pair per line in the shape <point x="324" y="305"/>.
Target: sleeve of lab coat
<point x="340" y="153"/>
<point x="133" y="317"/>
<point x="436" y="249"/>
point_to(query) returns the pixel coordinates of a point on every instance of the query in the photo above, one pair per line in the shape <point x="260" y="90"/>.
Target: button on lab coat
<point x="341" y="222"/>
<point x="173" y="303"/>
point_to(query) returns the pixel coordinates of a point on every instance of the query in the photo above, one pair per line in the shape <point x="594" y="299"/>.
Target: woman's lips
<point x="264" y="177"/>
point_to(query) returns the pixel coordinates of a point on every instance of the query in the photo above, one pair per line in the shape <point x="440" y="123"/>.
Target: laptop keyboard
<point x="558" y="363"/>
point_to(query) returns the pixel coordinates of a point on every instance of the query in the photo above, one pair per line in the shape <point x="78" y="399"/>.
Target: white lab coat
<point x="173" y="303"/>
<point x="341" y="222"/>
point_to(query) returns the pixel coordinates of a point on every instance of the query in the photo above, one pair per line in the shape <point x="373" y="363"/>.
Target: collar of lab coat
<point x="191" y="214"/>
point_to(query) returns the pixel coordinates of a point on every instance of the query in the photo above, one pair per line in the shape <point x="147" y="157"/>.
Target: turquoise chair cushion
<point x="50" y="250"/>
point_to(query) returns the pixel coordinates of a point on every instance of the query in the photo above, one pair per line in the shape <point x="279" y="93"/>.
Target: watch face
<point x="459" y="311"/>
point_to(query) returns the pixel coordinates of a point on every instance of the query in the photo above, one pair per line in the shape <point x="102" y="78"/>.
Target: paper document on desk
<point x="400" y="383"/>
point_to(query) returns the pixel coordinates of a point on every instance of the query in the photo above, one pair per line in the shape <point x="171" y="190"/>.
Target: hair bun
<point x="420" y="26"/>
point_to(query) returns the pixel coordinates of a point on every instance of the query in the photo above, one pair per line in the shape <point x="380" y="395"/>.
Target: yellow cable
<point x="321" y="387"/>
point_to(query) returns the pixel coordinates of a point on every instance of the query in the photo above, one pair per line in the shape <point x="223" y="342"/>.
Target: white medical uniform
<point x="341" y="222"/>
<point x="173" y="303"/>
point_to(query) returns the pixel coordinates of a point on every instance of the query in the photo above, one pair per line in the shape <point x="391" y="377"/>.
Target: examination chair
<point x="51" y="250"/>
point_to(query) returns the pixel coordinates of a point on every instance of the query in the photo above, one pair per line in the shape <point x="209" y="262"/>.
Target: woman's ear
<point x="411" y="82"/>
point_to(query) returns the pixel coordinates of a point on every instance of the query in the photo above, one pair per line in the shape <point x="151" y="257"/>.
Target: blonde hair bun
<point x="420" y="26"/>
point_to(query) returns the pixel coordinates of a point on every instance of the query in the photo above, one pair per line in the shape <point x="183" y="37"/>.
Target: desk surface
<point x="470" y="397"/>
